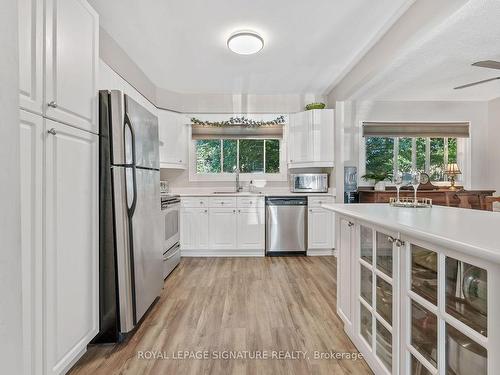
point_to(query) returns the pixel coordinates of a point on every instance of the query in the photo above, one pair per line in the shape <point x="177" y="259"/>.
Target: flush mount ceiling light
<point x="245" y="42"/>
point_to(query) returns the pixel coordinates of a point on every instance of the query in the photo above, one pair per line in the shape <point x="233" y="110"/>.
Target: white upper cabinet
<point x="31" y="55"/>
<point x="70" y="269"/>
<point x="311" y="139"/>
<point x="173" y="130"/>
<point x="71" y="63"/>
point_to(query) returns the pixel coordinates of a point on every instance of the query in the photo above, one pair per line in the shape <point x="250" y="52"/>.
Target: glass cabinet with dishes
<point x="444" y="312"/>
<point x="377" y="315"/>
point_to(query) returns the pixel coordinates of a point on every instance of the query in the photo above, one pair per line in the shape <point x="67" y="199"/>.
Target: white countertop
<point x="204" y="192"/>
<point x="472" y="232"/>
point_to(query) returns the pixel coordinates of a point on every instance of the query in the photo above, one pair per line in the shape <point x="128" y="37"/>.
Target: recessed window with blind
<point x="426" y="147"/>
<point x="216" y="152"/>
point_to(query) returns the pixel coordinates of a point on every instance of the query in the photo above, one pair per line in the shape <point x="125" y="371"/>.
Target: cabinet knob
<point x="222" y="203"/>
<point x="350" y="224"/>
<point x="52" y="131"/>
<point x="201" y="202"/>
<point x="52" y="104"/>
<point x="251" y="202"/>
<point x="234" y="211"/>
<point x="239" y="211"/>
<point x="399" y="243"/>
<point x="310" y="210"/>
<point x="206" y="211"/>
<point x="180" y="161"/>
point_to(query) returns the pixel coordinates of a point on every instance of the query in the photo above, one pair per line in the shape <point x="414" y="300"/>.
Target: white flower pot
<point x="379" y="186"/>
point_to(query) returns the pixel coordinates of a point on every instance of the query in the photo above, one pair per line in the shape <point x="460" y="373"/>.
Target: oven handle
<point x="177" y="249"/>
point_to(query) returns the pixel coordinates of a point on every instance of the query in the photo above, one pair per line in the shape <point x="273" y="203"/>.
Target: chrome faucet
<point x="238" y="188"/>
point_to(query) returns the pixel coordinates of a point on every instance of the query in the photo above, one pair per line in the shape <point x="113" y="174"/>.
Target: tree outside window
<point x="249" y="155"/>
<point x="385" y="155"/>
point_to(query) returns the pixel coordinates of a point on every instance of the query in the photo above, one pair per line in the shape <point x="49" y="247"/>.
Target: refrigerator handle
<point x="131" y="209"/>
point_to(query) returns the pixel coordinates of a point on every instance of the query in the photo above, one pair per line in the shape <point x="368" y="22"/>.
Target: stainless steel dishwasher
<point x="286" y="225"/>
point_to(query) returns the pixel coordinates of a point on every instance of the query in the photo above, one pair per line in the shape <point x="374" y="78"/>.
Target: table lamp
<point x="452" y="171"/>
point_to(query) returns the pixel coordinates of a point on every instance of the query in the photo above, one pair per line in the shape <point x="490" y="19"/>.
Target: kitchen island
<point x="412" y="287"/>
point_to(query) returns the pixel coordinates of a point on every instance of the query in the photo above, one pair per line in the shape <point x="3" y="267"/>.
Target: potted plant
<point x="379" y="179"/>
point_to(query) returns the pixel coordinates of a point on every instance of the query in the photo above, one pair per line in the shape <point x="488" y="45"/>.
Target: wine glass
<point x="397" y="180"/>
<point x="415" y="181"/>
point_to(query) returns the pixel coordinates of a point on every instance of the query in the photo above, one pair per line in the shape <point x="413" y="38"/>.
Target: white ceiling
<point x="181" y="45"/>
<point x="442" y="59"/>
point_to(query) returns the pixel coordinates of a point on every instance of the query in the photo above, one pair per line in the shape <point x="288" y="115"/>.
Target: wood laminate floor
<point x="217" y="307"/>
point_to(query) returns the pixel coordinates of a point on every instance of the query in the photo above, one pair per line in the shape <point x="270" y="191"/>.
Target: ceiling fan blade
<point x="475" y="83"/>
<point x="488" y="64"/>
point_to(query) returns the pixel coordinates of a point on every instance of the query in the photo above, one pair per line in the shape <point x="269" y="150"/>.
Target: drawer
<point x="314" y="202"/>
<point x="248" y="202"/>
<point x="170" y="260"/>
<point x="222" y="201"/>
<point x="194" y="202"/>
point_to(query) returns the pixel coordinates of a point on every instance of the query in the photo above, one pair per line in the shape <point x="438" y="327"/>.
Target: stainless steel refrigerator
<point x="130" y="277"/>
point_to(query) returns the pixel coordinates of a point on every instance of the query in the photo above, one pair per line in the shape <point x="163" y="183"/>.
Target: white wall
<point x="10" y="219"/>
<point x="110" y="80"/>
<point x="494" y="143"/>
<point x="350" y="115"/>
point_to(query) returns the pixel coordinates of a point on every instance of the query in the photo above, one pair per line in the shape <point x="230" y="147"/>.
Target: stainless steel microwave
<point x="309" y="183"/>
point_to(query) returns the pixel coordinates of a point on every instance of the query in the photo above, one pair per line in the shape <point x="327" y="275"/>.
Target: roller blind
<point x="237" y="132"/>
<point x="416" y="129"/>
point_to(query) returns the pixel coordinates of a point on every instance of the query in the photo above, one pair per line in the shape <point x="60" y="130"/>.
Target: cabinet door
<point x="222" y="223"/>
<point x="71" y="63"/>
<point x="322" y="135"/>
<point x="71" y="248"/>
<point x="344" y="256"/>
<point x="173" y="140"/>
<point x="303" y="139"/>
<point x="320" y="229"/>
<point x="203" y="229"/>
<point x="31" y="55"/>
<point x="250" y="228"/>
<point x="31" y="167"/>
<point x="188" y="230"/>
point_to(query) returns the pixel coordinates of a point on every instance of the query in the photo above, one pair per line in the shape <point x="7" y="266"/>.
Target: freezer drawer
<point x="171" y="259"/>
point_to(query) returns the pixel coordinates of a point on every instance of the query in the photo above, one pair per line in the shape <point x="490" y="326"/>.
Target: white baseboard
<point x="320" y="252"/>
<point x="222" y="253"/>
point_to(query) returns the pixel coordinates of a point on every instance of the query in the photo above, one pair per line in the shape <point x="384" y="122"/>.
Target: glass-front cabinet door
<point x="444" y="313"/>
<point x="377" y="308"/>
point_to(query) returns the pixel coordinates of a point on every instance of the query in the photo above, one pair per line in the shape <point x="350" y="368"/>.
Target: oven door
<point x="171" y="225"/>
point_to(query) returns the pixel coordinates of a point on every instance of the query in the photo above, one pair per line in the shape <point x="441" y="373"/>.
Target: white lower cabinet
<point x="59" y="223"/>
<point x="31" y="166"/>
<point x="194" y="228"/>
<point x="222" y="224"/>
<point x="70" y="265"/>
<point x="320" y="233"/>
<point x="249" y="223"/>
<point x="345" y="230"/>
<point x="228" y="227"/>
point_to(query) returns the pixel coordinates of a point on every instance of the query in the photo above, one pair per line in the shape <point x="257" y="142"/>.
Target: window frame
<point x="463" y="159"/>
<point x="226" y="176"/>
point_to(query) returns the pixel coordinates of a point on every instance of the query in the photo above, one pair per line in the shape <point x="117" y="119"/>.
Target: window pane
<point x="208" y="156"/>
<point x="437" y="159"/>
<point x="251" y="155"/>
<point x="404" y="154"/>
<point x="379" y="155"/>
<point x="421" y="154"/>
<point x="272" y="156"/>
<point x="229" y="153"/>
<point x="452" y="150"/>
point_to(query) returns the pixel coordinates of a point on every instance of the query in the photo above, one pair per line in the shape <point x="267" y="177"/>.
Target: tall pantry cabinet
<point x="58" y="62"/>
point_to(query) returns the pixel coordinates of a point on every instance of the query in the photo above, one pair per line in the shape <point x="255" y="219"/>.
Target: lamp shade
<point x="452" y="169"/>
